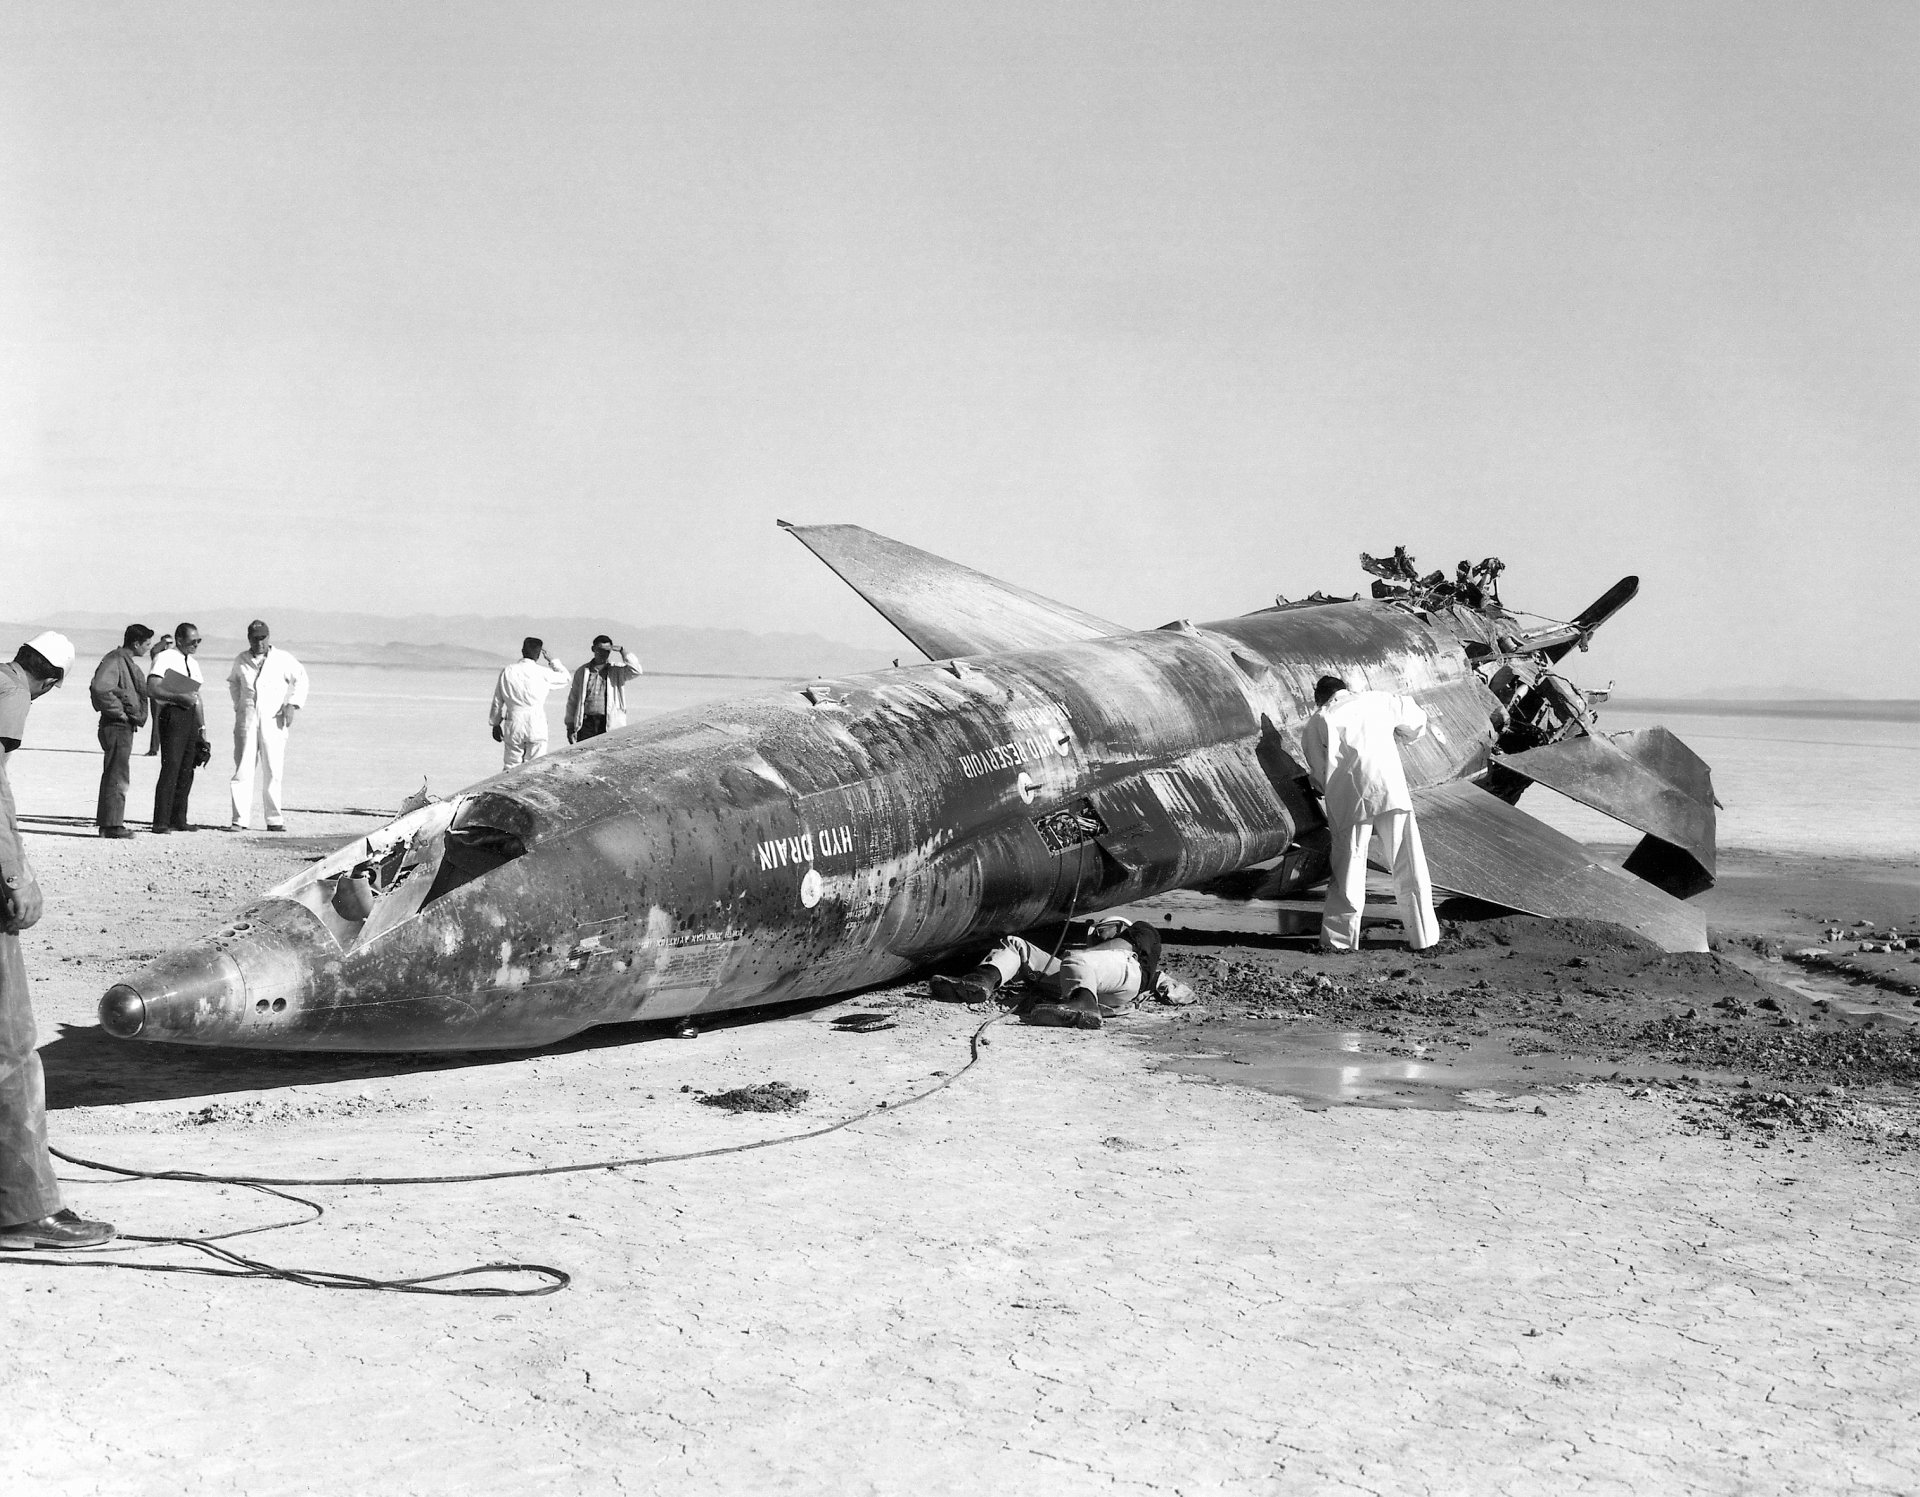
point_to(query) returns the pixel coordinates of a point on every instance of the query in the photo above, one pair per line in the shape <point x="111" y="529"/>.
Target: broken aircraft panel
<point x="839" y="833"/>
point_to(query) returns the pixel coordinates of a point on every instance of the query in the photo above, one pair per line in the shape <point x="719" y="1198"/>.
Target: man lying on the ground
<point x="1100" y="969"/>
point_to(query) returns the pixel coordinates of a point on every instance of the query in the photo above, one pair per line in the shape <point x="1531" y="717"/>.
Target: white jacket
<point x="520" y="695"/>
<point x="266" y="685"/>
<point x="1353" y="754"/>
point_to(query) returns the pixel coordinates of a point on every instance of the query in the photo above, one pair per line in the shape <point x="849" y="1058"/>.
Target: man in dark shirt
<point x="29" y="1194"/>
<point x="119" y="694"/>
<point x="183" y="727"/>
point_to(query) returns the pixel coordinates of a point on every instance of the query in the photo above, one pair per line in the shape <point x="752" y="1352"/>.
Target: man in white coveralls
<point x="1352" y="747"/>
<point x="268" y="687"/>
<point x="519" y="711"/>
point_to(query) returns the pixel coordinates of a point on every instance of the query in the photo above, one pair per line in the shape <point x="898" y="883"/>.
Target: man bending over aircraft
<point x="1353" y="756"/>
<point x="1107" y="966"/>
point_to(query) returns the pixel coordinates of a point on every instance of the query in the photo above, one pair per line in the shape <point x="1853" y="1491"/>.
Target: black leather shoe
<point x="116" y="831"/>
<point x="64" y="1229"/>
<point x="161" y="831"/>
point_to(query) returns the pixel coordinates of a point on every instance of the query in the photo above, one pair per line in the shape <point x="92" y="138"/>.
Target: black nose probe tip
<point x="123" y="1012"/>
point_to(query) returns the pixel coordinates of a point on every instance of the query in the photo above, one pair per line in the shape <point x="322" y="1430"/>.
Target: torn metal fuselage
<point x="841" y="833"/>
<point x="806" y="841"/>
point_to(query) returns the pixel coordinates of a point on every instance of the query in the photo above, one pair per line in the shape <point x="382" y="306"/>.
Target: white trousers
<point x="1400" y="850"/>
<point x="1110" y="971"/>
<point x="259" y="737"/>
<point x="523" y="737"/>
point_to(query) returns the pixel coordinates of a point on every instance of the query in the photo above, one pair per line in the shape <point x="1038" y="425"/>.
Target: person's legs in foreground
<point x="1412" y="887"/>
<point x="1093" y="982"/>
<point x="272" y="742"/>
<point x="1012" y="958"/>
<point x="1074" y="983"/>
<point x="1346" y="888"/>
<point x="240" y="787"/>
<point x="116" y="775"/>
<point x="30" y="1211"/>
<point x="179" y="738"/>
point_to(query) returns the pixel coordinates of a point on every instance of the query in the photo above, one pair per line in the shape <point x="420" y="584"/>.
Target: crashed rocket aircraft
<point x="835" y="834"/>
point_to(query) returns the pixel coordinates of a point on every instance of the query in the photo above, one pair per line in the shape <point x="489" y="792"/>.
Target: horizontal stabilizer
<point x="945" y="609"/>
<point x="1650" y="780"/>
<point x="1478" y="845"/>
<point x="1597" y="613"/>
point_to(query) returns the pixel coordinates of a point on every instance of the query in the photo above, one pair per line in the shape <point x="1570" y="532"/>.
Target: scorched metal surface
<point x="839" y="833"/>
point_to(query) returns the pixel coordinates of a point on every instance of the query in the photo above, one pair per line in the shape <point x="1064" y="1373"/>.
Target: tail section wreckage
<point x="838" y="833"/>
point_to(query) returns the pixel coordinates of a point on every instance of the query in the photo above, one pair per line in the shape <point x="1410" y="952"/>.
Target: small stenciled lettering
<point x="800" y="850"/>
<point x="1037" y="735"/>
<point x="1010" y="755"/>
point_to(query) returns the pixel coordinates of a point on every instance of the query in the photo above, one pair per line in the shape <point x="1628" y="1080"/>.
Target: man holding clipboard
<point x="174" y="682"/>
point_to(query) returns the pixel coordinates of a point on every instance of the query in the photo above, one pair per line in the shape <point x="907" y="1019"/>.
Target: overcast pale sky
<point x="1157" y="308"/>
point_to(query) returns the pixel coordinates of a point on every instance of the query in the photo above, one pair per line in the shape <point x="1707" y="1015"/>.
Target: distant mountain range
<point x="1769" y="694"/>
<point x="473" y="642"/>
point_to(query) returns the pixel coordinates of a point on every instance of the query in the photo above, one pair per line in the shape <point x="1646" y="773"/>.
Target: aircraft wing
<point x="945" y="609"/>
<point x="1478" y="845"/>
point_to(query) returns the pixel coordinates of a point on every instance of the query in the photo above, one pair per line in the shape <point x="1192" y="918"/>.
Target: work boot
<point x="1079" y="1010"/>
<point x="976" y="986"/>
<point x="116" y="831"/>
<point x="64" y="1229"/>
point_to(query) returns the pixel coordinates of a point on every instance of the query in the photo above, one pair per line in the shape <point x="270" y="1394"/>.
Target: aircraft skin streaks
<point x="821" y="837"/>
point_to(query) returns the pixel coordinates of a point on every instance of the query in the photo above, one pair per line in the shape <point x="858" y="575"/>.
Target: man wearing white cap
<point x="31" y="1215"/>
<point x="268" y="687"/>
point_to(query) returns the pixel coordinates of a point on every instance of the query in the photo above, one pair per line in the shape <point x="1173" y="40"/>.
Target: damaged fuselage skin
<point x="822" y="837"/>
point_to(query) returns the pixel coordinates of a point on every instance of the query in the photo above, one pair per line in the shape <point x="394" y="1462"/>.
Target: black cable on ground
<point x="241" y="1267"/>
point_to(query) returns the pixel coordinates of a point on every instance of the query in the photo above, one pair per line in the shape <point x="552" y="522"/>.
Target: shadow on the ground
<point x="87" y="1067"/>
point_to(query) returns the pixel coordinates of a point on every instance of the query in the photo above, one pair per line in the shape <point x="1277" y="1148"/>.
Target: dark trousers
<point x="116" y="742"/>
<point x="592" y="725"/>
<point x="28" y="1190"/>
<point x="179" y="742"/>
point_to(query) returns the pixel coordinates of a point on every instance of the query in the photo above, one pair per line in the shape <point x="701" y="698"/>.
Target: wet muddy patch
<point x="1321" y="1068"/>
<point x="1516" y="1006"/>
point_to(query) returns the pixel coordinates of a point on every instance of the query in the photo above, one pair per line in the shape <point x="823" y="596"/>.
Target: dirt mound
<point x="768" y="1096"/>
<point x="1536" y="932"/>
<point x="1853" y="1055"/>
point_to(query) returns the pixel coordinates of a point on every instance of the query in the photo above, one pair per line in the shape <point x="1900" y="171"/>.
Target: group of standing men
<point x="596" y="697"/>
<point x="268" y="687"/>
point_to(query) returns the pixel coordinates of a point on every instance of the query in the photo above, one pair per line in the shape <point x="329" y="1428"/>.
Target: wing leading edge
<point x="945" y="609"/>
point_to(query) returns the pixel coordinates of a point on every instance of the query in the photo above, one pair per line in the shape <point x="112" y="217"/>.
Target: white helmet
<point x="55" y="649"/>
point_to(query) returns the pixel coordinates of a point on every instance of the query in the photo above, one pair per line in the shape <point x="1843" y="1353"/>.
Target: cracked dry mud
<point x="1072" y="1270"/>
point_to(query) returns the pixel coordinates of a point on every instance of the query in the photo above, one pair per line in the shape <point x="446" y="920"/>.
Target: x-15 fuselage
<point x="820" y="838"/>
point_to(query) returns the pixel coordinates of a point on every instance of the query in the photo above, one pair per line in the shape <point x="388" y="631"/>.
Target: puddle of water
<point x="1322" y="1068"/>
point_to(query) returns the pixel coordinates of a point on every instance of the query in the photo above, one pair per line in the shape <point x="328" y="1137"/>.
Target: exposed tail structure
<point x="1478" y="843"/>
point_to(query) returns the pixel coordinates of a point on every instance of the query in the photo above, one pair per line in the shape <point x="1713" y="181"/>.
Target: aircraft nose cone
<point x="123" y="1012"/>
<point x="198" y="995"/>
